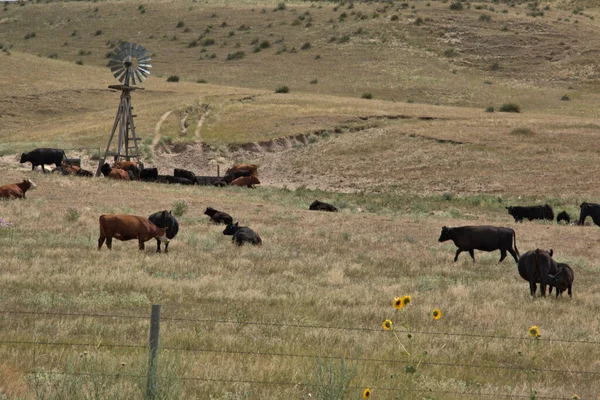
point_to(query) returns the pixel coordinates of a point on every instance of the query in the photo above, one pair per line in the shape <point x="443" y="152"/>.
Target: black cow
<point x="164" y="219"/>
<point x="562" y="280"/>
<point x="43" y="156"/>
<point x="242" y="234"/>
<point x="531" y="212"/>
<point x="563" y="216"/>
<point x="321" y="206"/>
<point x="105" y="169"/>
<point x="174" y="179"/>
<point x="149" y="174"/>
<point x="182" y="173"/>
<point x="218" y="216"/>
<point x="483" y="237"/>
<point x="232" y="176"/>
<point x="536" y="266"/>
<point x="589" y="210"/>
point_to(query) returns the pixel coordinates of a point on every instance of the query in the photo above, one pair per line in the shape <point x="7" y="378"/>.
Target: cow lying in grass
<point x="218" y="217"/>
<point x="321" y="206"/>
<point x="16" y="190"/>
<point x="115" y="173"/>
<point x="248" y="181"/>
<point x="128" y="227"/>
<point x="242" y="234"/>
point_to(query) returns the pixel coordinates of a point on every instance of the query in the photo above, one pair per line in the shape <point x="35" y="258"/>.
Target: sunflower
<point x="398" y="303"/>
<point x="436" y="313"/>
<point x="387" y="325"/>
<point x="575" y="397"/>
<point x="367" y="393"/>
<point x="406" y="300"/>
<point x="534" y="331"/>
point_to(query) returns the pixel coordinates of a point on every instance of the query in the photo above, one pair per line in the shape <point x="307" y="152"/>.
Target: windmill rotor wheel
<point x="130" y="63"/>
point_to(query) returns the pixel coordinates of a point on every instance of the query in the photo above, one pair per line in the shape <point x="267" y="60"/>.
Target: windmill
<point x="130" y="64"/>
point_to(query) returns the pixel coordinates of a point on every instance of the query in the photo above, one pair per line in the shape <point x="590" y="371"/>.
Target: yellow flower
<point x="436" y="313"/>
<point x="398" y="303"/>
<point x="387" y="325"/>
<point x="575" y="397"/>
<point x="406" y="300"/>
<point x="534" y="331"/>
<point x="367" y="393"/>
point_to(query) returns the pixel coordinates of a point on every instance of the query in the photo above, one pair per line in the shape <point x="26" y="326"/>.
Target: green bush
<point x="489" y="109"/>
<point x="456" y="6"/>
<point x="173" y="78"/>
<point x="180" y="24"/>
<point x="367" y="96"/>
<point x="565" y="98"/>
<point x="305" y="46"/>
<point x="238" y="55"/>
<point x="282" y="89"/>
<point x="510" y="107"/>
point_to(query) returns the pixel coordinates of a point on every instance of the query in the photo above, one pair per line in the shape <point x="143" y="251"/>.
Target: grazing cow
<point x="230" y="177"/>
<point x="242" y="234"/>
<point x="173" y="179"/>
<point x="43" y="156"/>
<point x="182" y="173"/>
<point x="149" y="174"/>
<point x="531" y="213"/>
<point x="164" y="219"/>
<point x="589" y="210"/>
<point x="218" y="216"/>
<point x="128" y="166"/>
<point x="563" y="216"/>
<point x="484" y="237"/>
<point x="562" y="280"/>
<point x="16" y="190"/>
<point x="128" y="227"/>
<point x="536" y="266"/>
<point x="321" y="206"/>
<point x="248" y="181"/>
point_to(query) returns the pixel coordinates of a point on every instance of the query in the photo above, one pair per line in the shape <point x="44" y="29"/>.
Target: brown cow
<point x="253" y="168"/>
<point x="128" y="227"/>
<point x="128" y="166"/>
<point x="117" y="173"/>
<point x="246" y="181"/>
<point x="16" y="190"/>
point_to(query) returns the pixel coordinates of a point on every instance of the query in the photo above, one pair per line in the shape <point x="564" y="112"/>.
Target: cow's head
<point x="510" y="209"/>
<point x="446" y="234"/>
<point x="230" y="229"/>
<point x="24" y="158"/>
<point x="31" y="184"/>
<point x="161" y="234"/>
<point x="105" y="169"/>
<point x="210" y="211"/>
<point x="254" y="180"/>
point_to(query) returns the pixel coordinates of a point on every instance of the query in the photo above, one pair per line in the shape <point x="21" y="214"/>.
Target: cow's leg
<point x="570" y="292"/>
<point x="109" y="242"/>
<point x="167" y="247"/>
<point x="532" y="288"/>
<point x="502" y="255"/>
<point x="458" y="251"/>
<point x="157" y="246"/>
<point x="141" y="243"/>
<point x="543" y="288"/>
<point x="43" y="169"/>
<point x="472" y="253"/>
<point x="101" y="241"/>
<point x="514" y="254"/>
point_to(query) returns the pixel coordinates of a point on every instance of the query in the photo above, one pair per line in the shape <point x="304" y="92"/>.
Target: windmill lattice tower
<point x="128" y="62"/>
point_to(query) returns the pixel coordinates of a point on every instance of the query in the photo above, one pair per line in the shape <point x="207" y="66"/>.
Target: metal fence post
<point x="152" y="379"/>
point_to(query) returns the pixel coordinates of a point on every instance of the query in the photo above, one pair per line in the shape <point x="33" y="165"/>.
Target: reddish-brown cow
<point x="117" y="173"/>
<point x="16" y="190"/>
<point x="246" y="181"/>
<point x="253" y="168"/>
<point x="128" y="227"/>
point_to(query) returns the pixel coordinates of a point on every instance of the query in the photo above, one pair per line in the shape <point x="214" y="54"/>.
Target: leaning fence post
<point x="152" y="379"/>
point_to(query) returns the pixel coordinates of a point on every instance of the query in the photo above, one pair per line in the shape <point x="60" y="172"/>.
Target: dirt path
<point x="206" y="109"/>
<point x="157" y="128"/>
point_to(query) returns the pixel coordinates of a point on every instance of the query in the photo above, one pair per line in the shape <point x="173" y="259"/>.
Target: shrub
<point x="53" y="55"/>
<point x="180" y="207"/>
<point x="280" y="6"/>
<point x="522" y="132"/>
<point x="345" y="39"/>
<point x="193" y="43"/>
<point x="180" y="24"/>
<point x="305" y="46"/>
<point x="367" y="96"/>
<point x="208" y="42"/>
<point x="450" y="52"/>
<point x="314" y="81"/>
<point x="265" y="44"/>
<point x="282" y="89"/>
<point x="565" y="98"/>
<point x="79" y="62"/>
<point x="29" y="35"/>
<point x="495" y="66"/>
<point x="394" y="18"/>
<point x="457" y="6"/>
<point x="419" y="21"/>
<point x="98" y="32"/>
<point x="485" y="17"/>
<point x="489" y="109"/>
<point x="201" y="81"/>
<point x="510" y="107"/>
<point x="173" y="78"/>
<point x="238" y="55"/>
<point x="72" y="214"/>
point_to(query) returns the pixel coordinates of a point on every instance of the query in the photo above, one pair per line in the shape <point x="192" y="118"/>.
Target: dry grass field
<point x="273" y="322"/>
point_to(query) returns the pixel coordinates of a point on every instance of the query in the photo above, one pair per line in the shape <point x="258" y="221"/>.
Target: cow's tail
<point x="514" y="237"/>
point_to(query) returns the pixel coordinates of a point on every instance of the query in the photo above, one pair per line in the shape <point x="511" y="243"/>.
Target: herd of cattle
<point x="536" y="266"/>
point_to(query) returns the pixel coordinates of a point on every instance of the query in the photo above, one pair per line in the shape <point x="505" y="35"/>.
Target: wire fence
<point x="221" y="380"/>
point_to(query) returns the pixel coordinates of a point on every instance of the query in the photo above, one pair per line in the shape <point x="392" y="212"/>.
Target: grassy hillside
<point x="385" y="117"/>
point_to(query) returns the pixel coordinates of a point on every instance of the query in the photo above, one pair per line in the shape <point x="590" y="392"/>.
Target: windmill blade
<point x="130" y="63"/>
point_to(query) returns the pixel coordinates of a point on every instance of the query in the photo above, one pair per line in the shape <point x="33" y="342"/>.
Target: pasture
<point x="274" y="321"/>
